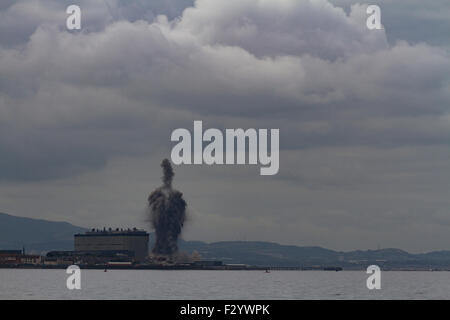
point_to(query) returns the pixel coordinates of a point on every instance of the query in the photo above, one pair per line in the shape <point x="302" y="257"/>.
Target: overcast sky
<point x="364" y="116"/>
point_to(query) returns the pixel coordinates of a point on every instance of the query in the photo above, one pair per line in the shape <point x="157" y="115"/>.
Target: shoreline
<point x="172" y="267"/>
<point x="210" y="268"/>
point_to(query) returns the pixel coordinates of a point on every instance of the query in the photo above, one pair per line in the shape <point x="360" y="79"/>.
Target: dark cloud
<point x="359" y="111"/>
<point x="220" y="59"/>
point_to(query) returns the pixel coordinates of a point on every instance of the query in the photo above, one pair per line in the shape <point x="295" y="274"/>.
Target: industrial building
<point x="132" y="240"/>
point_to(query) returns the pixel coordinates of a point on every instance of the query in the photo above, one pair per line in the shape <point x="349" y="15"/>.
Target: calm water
<point x="157" y="284"/>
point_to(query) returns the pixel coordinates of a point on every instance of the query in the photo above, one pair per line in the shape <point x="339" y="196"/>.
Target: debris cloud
<point x="167" y="213"/>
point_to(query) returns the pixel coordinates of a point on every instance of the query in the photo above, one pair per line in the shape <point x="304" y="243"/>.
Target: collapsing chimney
<point x="167" y="213"/>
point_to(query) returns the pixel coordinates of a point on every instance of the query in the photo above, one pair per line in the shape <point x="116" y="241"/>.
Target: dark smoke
<point x="168" y="211"/>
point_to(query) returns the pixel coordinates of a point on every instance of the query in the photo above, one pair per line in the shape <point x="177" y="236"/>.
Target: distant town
<point x="118" y="249"/>
<point x="36" y="243"/>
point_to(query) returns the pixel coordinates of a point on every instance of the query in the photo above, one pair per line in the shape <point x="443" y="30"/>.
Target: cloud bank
<point x="359" y="111"/>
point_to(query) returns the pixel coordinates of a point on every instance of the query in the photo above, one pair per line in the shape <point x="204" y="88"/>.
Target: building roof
<point x="113" y="232"/>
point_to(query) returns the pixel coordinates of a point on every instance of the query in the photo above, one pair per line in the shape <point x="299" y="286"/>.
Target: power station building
<point x="132" y="240"/>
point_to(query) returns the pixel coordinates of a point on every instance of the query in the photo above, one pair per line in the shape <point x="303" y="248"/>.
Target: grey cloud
<point x="412" y="20"/>
<point x="20" y="19"/>
<point x="363" y="118"/>
<point x="278" y="29"/>
<point x="206" y="63"/>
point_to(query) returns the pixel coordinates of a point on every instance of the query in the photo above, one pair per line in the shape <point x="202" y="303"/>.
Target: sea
<point x="237" y="285"/>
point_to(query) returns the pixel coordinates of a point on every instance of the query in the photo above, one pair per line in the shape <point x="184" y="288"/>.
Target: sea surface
<point x="187" y="284"/>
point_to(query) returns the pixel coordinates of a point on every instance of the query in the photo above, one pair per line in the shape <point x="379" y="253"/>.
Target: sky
<point x="364" y="116"/>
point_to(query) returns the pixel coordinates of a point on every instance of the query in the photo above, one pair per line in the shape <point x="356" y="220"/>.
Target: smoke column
<point x="167" y="213"/>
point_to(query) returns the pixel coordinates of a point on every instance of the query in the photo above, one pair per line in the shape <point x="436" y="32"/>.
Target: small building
<point x="18" y="257"/>
<point x="30" y="259"/>
<point x="10" y="257"/>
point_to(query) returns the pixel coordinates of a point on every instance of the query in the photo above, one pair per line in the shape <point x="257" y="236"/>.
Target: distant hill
<point x="42" y="236"/>
<point x="267" y="253"/>
<point x="261" y="253"/>
<point x="35" y="234"/>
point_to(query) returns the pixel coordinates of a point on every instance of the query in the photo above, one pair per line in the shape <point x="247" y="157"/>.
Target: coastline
<point x="172" y="267"/>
